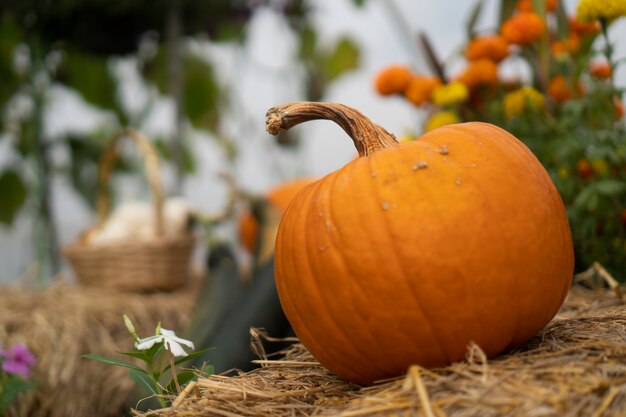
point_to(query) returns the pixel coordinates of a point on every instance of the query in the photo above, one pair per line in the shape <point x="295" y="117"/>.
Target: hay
<point x="575" y="367"/>
<point x="63" y="322"/>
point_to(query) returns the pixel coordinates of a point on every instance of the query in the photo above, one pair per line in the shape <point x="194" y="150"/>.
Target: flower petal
<point x="170" y="335"/>
<point x="16" y="368"/>
<point x="175" y="348"/>
<point x="148" y="342"/>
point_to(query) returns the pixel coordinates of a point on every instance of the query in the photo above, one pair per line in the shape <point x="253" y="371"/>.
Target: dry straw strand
<point x="575" y="367"/>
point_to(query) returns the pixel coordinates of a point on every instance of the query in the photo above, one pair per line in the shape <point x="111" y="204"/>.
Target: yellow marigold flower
<point x="455" y="92"/>
<point x="520" y="100"/>
<point x="406" y="138"/>
<point x="590" y="10"/>
<point x="480" y="72"/>
<point x="492" y="47"/>
<point x="392" y="80"/>
<point x="420" y="89"/>
<point x="523" y="28"/>
<point x="600" y="167"/>
<point x="441" y="119"/>
<point x="563" y="173"/>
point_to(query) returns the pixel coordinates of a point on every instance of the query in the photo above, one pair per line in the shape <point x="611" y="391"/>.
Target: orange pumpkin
<point x="280" y="197"/>
<point x="414" y="250"/>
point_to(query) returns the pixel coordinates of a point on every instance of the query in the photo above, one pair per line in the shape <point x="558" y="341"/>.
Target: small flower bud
<point x="130" y="327"/>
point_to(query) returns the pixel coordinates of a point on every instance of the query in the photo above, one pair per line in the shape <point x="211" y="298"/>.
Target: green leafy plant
<point x="159" y="375"/>
<point x="568" y="111"/>
<point x="16" y="363"/>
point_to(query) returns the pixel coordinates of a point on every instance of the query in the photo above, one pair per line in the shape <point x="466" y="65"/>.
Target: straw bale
<point x="63" y="322"/>
<point x="575" y="367"/>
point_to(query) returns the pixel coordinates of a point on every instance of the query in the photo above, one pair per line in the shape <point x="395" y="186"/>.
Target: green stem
<point x="155" y="374"/>
<point x="608" y="49"/>
<point x="45" y="231"/>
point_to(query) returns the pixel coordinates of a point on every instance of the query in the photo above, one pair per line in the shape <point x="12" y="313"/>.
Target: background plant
<point x="16" y="363"/>
<point x="159" y="375"/>
<point x="568" y="110"/>
<point x="72" y="46"/>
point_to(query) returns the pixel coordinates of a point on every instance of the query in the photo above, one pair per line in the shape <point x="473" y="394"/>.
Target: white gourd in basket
<point x="135" y="221"/>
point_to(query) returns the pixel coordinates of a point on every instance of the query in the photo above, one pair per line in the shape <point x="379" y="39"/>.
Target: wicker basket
<point x="159" y="264"/>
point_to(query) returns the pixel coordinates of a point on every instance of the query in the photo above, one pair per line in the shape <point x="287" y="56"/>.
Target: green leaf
<point x="183" y="377"/>
<point x="12" y="196"/>
<point x="358" y="3"/>
<point x="308" y="43"/>
<point x="140" y="354"/>
<point x="200" y="89"/>
<point x="201" y="93"/>
<point x="562" y="21"/>
<point x="11" y="388"/>
<point x="10" y="37"/>
<point x="113" y="361"/>
<point x="83" y="170"/>
<point x="345" y="57"/>
<point x="609" y="187"/>
<point x="143" y="380"/>
<point x="90" y="76"/>
<point x="165" y="150"/>
<point x="588" y="198"/>
<point x="154" y="351"/>
<point x="507" y="7"/>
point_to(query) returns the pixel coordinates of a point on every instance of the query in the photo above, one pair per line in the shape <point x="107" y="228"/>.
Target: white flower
<point x="171" y="341"/>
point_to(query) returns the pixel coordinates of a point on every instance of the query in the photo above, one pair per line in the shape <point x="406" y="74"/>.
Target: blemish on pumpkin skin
<point x="373" y="175"/>
<point x="458" y="181"/>
<point x="443" y="150"/>
<point x="419" y="165"/>
<point x="385" y="205"/>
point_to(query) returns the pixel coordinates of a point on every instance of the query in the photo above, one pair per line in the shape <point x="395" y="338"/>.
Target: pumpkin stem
<point x="367" y="136"/>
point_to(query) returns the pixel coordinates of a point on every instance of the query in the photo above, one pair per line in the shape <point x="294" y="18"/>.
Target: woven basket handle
<point x="152" y="170"/>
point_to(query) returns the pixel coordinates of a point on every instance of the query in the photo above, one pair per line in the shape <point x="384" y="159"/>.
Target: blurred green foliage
<point x="576" y="127"/>
<point x="73" y="43"/>
<point x="13" y="195"/>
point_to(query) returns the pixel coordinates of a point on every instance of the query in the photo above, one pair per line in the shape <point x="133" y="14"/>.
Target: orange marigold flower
<point x="569" y="45"/>
<point x="559" y="48"/>
<point x="479" y="72"/>
<point x="559" y="89"/>
<point x="420" y="89"/>
<point x="393" y="79"/>
<point x="523" y="28"/>
<point x="583" y="28"/>
<point x="524" y="6"/>
<point x="551" y="5"/>
<point x="585" y="171"/>
<point x="492" y="47"/>
<point x="601" y="70"/>
<point x="527" y="5"/>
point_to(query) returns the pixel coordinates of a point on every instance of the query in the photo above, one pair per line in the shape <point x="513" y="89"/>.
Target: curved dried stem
<point x="367" y="136"/>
